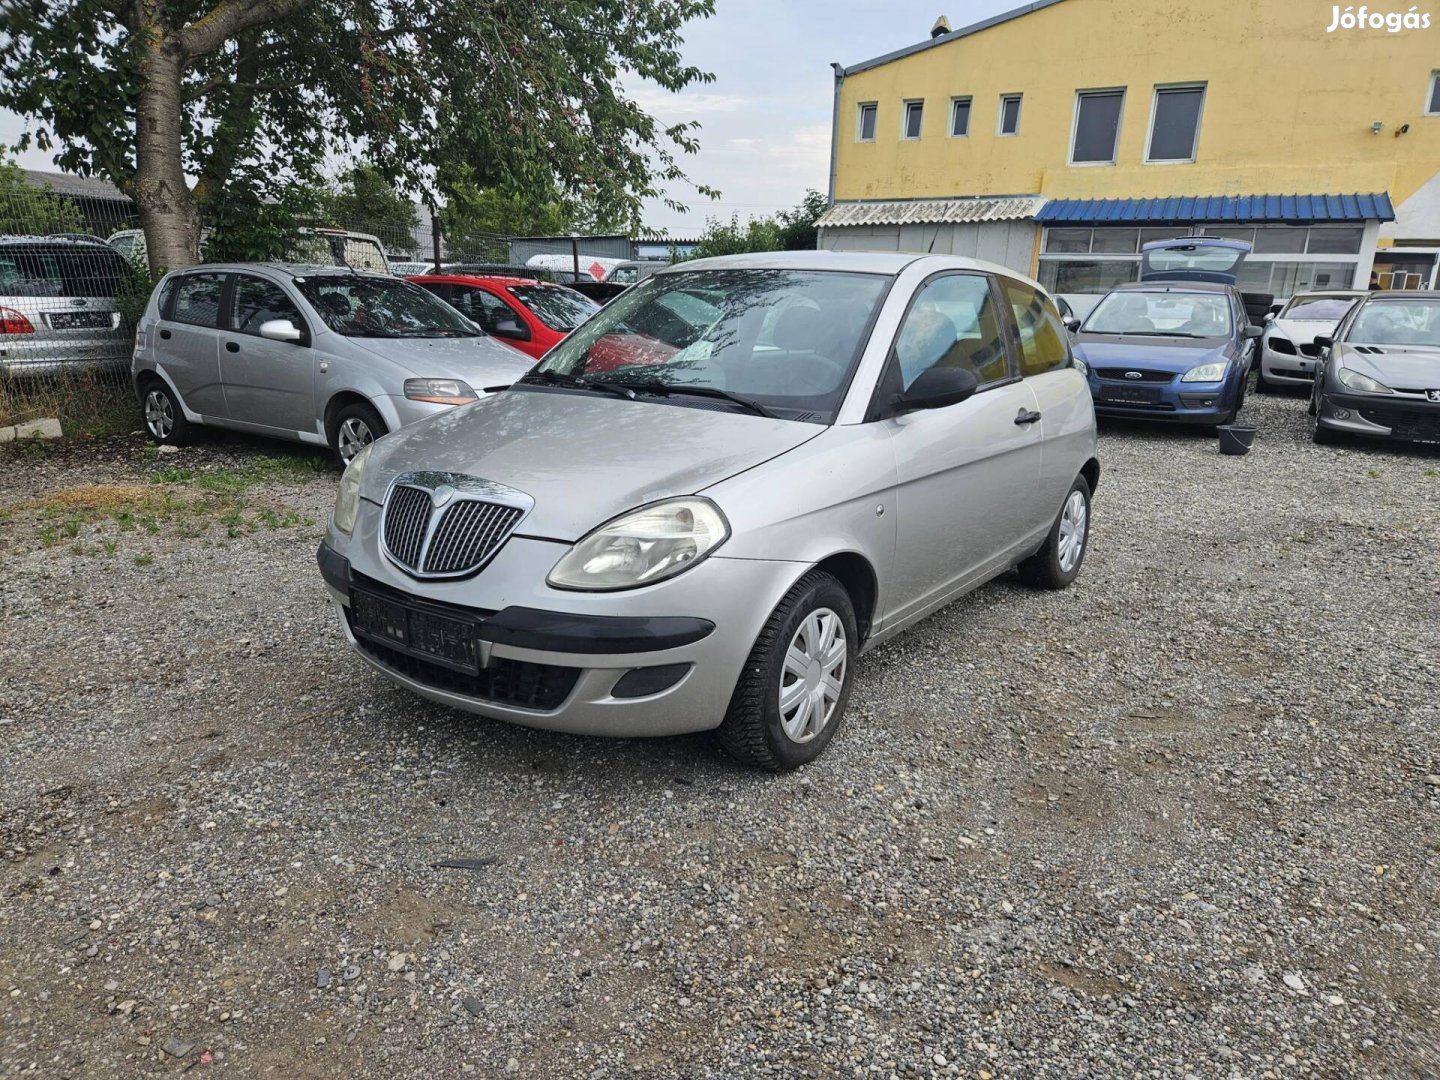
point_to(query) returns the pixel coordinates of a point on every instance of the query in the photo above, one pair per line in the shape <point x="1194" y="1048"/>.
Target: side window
<point x="953" y="322"/>
<point x="1042" y="334"/>
<point x="167" y="294"/>
<point x="197" y="300"/>
<point x="257" y="301"/>
<point x="482" y="307"/>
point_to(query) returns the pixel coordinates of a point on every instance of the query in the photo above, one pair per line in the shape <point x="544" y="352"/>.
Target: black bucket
<point x="1236" y="438"/>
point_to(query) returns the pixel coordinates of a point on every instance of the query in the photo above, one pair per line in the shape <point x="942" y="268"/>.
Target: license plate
<point x="79" y="320"/>
<point x="414" y="630"/>
<point x="1135" y="394"/>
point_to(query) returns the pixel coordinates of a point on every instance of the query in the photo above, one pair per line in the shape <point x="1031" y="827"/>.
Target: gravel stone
<point x="1078" y="835"/>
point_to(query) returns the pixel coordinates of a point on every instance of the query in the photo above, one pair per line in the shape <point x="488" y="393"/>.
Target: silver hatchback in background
<point x="319" y="354"/>
<point x="701" y="506"/>
<point x="58" y="306"/>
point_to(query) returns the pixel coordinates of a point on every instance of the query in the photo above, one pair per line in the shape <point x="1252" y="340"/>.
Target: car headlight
<point x="347" y="502"/>
<point x="440" y="391"/>
<point x="1278" y="342"/>
<point x="1206" y="372"/>
<point x="1356" y="381"/>
<point x="644" y="546"/>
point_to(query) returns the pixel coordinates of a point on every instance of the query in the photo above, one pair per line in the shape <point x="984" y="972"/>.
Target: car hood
<point x="1408" y="367"/>
<point x="1157" y="354"/>
<point x="583" y="458"/>
<point x="1303" y="331"/>
<point x="479" y="361"/>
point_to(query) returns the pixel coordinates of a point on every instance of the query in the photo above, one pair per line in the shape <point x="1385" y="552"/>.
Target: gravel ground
<point x="1179" y="821"/>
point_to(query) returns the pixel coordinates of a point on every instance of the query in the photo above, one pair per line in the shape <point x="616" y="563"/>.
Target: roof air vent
<point x="941" y="27"/>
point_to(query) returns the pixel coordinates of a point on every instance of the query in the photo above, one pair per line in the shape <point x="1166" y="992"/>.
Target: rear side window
<point x="1042" y="335"/>
<point x="258" y="301"/>
<point x="481" y="307"/>
<point x="197" y="300"/>
<point x="60" y="270"/>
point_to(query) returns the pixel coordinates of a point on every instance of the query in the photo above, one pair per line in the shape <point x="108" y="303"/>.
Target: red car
<point x="530" y="315"/>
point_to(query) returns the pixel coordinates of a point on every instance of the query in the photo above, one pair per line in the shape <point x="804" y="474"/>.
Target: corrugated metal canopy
<point x="1208" y="209"/>
<point x="930" y="212"/>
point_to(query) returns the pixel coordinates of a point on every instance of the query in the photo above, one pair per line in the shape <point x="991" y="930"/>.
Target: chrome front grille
<point x="439" y="525"/>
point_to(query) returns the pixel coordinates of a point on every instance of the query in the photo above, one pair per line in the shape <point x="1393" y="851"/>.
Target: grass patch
<point x="87" y="403"/>
<point x="236" y="481"/>
<point x="144" y="559"/>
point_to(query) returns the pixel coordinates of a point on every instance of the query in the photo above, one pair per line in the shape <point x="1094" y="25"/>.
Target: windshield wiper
<point x="667" y="389"/>
<point x="570" y="382"/>
<point x="1147" y="333"/>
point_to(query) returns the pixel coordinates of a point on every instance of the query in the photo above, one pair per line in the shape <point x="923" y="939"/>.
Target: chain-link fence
<point x="69" y="297"/>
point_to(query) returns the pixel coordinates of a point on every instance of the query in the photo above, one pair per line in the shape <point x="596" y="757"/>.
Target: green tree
<point x="797" y="227"/>
<point x="363" y="200"/>
<point x="25" y="208"/>
<point x="722" y="237"/>
<point x="503" y="93"/>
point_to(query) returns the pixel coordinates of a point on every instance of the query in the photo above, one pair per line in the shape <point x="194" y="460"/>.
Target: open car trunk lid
<point x="1193" y="258"/>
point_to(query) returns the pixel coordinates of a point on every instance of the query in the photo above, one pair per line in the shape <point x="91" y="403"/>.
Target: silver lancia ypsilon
<point x="700" y="508"/>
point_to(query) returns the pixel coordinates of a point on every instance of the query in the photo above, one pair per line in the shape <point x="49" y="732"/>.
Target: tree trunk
<point x="168" y="211"/>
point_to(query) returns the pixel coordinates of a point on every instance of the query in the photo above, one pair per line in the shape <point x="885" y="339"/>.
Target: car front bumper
<point x="559" y="660"/>
<point x="1173" y="402"/>
<point x="1381" y="416"/>
<point x="1298" y="369"/>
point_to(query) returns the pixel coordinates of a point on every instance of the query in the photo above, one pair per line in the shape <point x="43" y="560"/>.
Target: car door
<point x="1062" y="396"/>
<point x="965" y="473"/>
<point x="187" y="342"/>
<point x="270" y="384"/>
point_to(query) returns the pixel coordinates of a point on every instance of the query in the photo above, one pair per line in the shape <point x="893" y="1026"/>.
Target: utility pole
<point x="575" y="254"/>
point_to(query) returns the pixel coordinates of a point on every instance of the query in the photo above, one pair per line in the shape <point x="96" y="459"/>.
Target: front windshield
<point x="362" y="306"/>
<point x="1397" y="322"/>
<point x="558" y="308"/>
<point x="1161" y="314"/>
<point x="1318" y="308"/>
<point x="785" y="340"/>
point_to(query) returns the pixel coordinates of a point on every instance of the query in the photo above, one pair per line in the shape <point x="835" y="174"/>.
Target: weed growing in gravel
<point x="144" y="559"/>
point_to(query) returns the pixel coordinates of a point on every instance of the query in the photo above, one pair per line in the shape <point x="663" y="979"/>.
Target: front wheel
<point x="357" y="425"/>
<point x="791" y="694"/>
<point x="1057" y="563"/>
<point x="1262" y="385"/>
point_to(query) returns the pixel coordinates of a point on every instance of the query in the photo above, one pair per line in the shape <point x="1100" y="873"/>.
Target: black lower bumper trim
<point x="334" y="567"/>
<point x="566" y="632"/>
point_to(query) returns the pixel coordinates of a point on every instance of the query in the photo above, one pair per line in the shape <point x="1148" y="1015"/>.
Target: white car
<point x="1288" y="352"/>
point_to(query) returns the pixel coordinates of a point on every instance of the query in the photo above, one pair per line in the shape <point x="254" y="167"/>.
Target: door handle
<point x="234" y="346"/>
<point x="165" y="334"/>
<point x="1025" y="417"/>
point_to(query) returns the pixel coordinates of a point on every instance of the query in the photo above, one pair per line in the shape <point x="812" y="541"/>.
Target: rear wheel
<point x="164" y="418"/>
<point x="1057" y="564"/>
<point x="357" y="425"/>
<point x="791" y="694"/>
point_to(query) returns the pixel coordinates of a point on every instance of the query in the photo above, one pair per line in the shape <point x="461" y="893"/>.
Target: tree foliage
<point x="501" y="94"/>
<point x="25" y="208"/>
<point x="789" y="230"/>
<point x="361" y="198"/>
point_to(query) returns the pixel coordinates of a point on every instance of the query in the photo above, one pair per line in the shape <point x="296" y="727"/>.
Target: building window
<point x="910" y="119"/>
<point x="959" y="116"/>
<point x="1096" y="127"/>
<point x="1175" y="123"/>
<point x="1009" y="114"/>
<point x="865" y="122"/>
<point x="1432" y="99"/>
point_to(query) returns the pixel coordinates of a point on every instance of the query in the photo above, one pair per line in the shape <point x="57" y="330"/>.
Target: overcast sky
<point x="766" y="117"/>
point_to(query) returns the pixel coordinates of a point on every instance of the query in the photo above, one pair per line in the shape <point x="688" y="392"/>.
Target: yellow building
<point x="1058" y="137"/>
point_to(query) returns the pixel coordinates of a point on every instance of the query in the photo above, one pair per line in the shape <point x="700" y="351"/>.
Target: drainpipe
<point x="835" y="126"/>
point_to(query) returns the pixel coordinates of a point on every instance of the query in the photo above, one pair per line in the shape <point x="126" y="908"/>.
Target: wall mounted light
<point x="1376" y="128"/>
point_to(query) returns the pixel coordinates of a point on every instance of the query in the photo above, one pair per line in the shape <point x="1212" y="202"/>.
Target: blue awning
<point x="1218" y="209"/>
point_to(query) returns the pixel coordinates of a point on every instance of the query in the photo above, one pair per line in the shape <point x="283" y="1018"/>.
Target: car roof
<point x="1345" y="294"/>
<point x="889" y="263"/>
<point x="482" y="279"/>
<point x="1402" y="294"/>
<point x="1174" y="286"/>
<point x="288" y="268"/>
<point x="71" y="241"/>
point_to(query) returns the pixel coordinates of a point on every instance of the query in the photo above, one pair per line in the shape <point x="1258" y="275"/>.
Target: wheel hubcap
<point x="355" y="435"/>
<point x="159" y="417"/>
<point x="813" y="676"/>
<point x="1072" y="531"/>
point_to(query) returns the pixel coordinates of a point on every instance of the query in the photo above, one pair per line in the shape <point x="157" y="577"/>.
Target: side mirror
<point x="1072" y="324"/>
<point x="510" y="328"/>
<point x="281" y="330"/>
<point x="1324" y="340"/>
<point x="936" y="388"/>
<point x="1252" y="332"/>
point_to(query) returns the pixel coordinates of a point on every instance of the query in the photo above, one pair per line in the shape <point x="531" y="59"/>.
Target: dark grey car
<point x="1379" y="373"/>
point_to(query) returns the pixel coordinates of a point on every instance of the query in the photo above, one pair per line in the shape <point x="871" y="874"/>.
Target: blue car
<point x="1176" y="345"/>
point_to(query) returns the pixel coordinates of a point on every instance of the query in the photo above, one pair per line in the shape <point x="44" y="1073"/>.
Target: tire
<point x="757" y="730"/>
<point x="356" y="426"/>
<point x="1262" y="386"/>
<point x="165" y="421"/>
<point x="1323" y="436"/>
<point x="1058" y="563"/>
<point x="1314" y="407"/>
